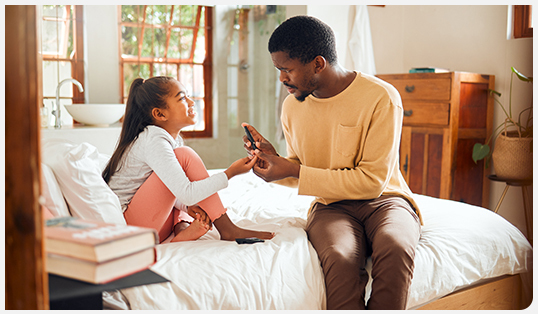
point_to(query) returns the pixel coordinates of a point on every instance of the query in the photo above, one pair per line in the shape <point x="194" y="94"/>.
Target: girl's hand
<point x="196" y="211"/>
<point x="240" y="166"/>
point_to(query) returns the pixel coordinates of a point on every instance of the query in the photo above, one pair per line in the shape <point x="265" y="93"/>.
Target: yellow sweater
<point x="347" y="145"/>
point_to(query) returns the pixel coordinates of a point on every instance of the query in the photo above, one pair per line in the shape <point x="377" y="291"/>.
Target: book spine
<point x="422" y="71"/>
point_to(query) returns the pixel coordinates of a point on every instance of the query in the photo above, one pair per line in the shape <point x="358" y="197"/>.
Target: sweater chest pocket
<point x="347" y="140"/>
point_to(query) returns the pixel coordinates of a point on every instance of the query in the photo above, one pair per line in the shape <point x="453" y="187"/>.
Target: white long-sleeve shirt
<point x="153" y="151"/>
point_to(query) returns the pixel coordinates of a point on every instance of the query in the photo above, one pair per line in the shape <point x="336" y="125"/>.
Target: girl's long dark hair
<point x="144" y="95"/>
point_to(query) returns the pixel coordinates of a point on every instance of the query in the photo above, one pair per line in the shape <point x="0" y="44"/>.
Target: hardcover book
<point x="95" y="241"/>
<point x="428" y="70"/>
<point x="99" y="273"/>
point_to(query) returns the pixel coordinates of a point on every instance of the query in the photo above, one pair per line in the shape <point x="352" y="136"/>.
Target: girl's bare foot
<point x="229" y="231"/>
<point x="189" y="232"/>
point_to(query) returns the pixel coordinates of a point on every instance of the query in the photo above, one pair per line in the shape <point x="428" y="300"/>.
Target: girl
<point x="157" y="179"/>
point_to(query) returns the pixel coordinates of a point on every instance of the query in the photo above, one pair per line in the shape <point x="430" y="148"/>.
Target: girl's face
<point x="179" y="112"/>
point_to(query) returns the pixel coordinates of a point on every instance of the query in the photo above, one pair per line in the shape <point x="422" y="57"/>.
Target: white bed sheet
<point x="460" y="245"/>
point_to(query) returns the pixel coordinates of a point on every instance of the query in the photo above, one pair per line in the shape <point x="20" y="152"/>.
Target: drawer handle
<point x="409" y="89"/>
<point x="408" y="113"/>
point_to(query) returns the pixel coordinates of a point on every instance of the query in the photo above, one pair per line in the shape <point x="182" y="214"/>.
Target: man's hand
<point x="272" y="167"/>
<point x="262" y="144"/>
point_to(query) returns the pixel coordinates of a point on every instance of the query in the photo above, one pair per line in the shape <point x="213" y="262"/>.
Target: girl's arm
<point x="160" y="156"/>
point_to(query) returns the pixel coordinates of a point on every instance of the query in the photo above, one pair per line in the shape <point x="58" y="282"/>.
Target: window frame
<point x="207" y="63"/>
<point x="77" y="59"/>
<point x="522" y="21"/>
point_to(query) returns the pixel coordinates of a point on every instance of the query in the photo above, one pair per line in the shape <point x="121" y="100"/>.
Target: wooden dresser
<point x="445" y="114"/>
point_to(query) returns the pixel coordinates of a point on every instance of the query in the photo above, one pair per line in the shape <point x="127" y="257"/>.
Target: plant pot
<point x="512" y="156"/>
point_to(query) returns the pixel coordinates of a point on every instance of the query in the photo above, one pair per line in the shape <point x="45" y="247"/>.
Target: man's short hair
<point x="304" y="38"/>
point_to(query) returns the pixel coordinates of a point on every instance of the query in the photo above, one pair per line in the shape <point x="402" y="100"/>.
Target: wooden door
<point x="421" y="159"/>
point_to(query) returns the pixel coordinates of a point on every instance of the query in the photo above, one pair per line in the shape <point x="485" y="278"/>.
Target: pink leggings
<point x="152" y="206"/>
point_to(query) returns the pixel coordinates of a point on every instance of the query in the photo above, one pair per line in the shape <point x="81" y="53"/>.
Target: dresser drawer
<point x="423" y="89"/>
<point x="416" y="113"/>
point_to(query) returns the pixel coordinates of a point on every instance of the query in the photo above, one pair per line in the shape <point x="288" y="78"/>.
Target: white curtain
<point x="360" y="49"/>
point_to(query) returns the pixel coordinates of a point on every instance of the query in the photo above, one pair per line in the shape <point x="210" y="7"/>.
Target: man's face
<point x="297" y="77"/>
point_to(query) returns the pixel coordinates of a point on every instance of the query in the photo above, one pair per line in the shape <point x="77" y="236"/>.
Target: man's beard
<point x="303" y="96"/>
<point x="311" y="84"/>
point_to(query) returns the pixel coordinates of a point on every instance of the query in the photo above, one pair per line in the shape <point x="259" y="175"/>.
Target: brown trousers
<point x="345" y="233"/>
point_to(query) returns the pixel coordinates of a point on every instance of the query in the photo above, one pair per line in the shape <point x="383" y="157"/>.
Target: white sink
<point x="96" y="114"/>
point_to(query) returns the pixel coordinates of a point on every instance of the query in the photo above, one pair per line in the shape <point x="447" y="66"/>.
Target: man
<point x="342" y="130"/>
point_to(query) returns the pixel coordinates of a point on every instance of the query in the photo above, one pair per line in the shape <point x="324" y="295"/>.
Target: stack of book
<point x="97" y="252"/>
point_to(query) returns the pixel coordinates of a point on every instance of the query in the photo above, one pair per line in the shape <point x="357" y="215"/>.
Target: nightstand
<point x="528" y="211"/>
<point x="71" y="294"/>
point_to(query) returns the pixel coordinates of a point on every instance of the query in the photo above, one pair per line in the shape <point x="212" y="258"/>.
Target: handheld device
<point x="248" y="240"/>
<point x="250" y="138"/>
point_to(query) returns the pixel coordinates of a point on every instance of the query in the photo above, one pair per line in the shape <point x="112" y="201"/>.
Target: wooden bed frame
<point x="503" y="293"/>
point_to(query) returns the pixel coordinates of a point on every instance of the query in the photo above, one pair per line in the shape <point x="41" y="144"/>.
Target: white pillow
<point x="52" y="195"/>
<point x="78" y="170"/>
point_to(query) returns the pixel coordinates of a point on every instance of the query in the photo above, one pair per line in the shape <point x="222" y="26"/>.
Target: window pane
<point x="185" y="16"/>
<point x="50" y="40"/>
<point x="132" y="13"/>
<point x="173" y="49"/>
<point x="180" y="43"/>
<point x="57" y="31"/>
<point x="165" y="69"/>
<point x="147" y="43"/>
<point x="56" y="11"/>
<point x="132" y="71"/>
<point x="199" y="52"/>
<point x="198" y="81"/>
<point x="185" y="77"/>
<point x="129" y="40"/>
<point x="159" y="14"/>
<point x="159" y="42"/>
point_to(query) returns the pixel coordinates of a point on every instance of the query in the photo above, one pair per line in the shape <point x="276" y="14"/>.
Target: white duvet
<point x="460" y="245"/>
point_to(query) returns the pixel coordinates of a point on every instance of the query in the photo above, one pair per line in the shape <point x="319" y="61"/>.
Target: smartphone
<point x="250" y="138"/>
<point x="248" y="240"/>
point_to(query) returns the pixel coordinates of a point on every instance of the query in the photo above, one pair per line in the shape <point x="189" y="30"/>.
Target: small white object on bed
<point x="460" y="245"/>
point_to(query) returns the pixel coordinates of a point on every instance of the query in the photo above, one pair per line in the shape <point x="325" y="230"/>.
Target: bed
<point x="468" y="257"/>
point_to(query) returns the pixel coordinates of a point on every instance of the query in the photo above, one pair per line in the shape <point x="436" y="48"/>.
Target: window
<point x="171" y="40"/>
<point x="62" y="51"/>
<point x="522" y="21"/>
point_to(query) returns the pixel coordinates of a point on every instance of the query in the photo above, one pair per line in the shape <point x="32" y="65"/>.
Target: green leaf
<point x="480" y="152"/>
<point x="521" y="76"/>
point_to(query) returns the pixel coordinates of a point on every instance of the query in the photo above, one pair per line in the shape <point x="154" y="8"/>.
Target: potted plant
<point x="512" y="155"/>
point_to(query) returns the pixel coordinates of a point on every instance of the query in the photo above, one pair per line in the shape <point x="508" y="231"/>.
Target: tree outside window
<point x="170" y="40"/>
